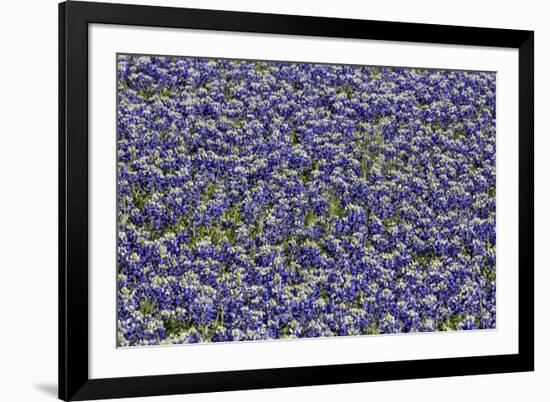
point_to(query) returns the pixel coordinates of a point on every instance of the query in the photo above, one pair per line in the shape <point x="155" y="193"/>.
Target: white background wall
<point x="28" y="198"/>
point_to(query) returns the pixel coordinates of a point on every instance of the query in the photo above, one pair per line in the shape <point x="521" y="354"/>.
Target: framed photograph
<point x="257" y="200"/>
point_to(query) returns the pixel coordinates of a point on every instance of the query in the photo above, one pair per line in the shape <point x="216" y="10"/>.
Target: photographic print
<point x="269" y="200"/>
<point x="254" y="201"/>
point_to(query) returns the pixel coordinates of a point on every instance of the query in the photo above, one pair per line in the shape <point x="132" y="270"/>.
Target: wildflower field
<point x="271" y="200"/>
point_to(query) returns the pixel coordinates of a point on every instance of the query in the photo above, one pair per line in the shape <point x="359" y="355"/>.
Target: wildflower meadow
<point x="265" y="200"/>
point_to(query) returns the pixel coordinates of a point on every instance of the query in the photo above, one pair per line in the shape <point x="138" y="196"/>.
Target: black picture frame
<point x="74" y="381"/>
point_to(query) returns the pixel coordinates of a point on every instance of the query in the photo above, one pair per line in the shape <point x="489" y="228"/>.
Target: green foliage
<point x="294" y="138"/>
<point x="175" y="327"/>
<point x="209" y="191"/>
<point x="335" y="208"/>
<point x="139" y="197"/>
<point x="233" y="215"/>
<point x="310" y="219"/>
<point x="260" y="68"/>
<point x="346" y="90"/>
<point x="425" y="259"/>
<point x="364" y="166"/>
<point x="371" y="328"/>
<point x="488" y="272"/>
<point x="324" y="294"/>
<point x="288" y="245"/>
<point x="214" y="233"/>
<point x="458" y="134"/>
<point x="364" y="149"/>
<point x="389" y="166"/>
<point x="389" y="222"/>
<point x="257" y="228"/>
<point x="305" y="175"/>
<point x="145" y="94"/>
<point x="146" y="307"/>
<point x="285" y="330"/>
<point x="124" y="219"/>
<point x="206" y="332"/>
<point x="451" y="323"/>
<point x="219" y="317"/>
<point x="228" y="92"/>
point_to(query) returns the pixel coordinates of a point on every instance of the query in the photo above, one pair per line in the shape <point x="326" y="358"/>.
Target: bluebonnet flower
<point x="270" y="200"/>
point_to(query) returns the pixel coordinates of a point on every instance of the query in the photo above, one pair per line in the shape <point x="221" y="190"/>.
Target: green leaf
<point x="146" y="307"/>
<point x="335" y="208"/>
<point x="294" y="138"/>
<point x="310" y="219"/>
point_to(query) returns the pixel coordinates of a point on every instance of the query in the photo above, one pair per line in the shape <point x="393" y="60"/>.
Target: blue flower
<point x="271" y="200"/>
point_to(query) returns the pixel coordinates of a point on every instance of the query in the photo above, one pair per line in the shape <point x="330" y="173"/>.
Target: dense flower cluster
<point x="268" y="200"/>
